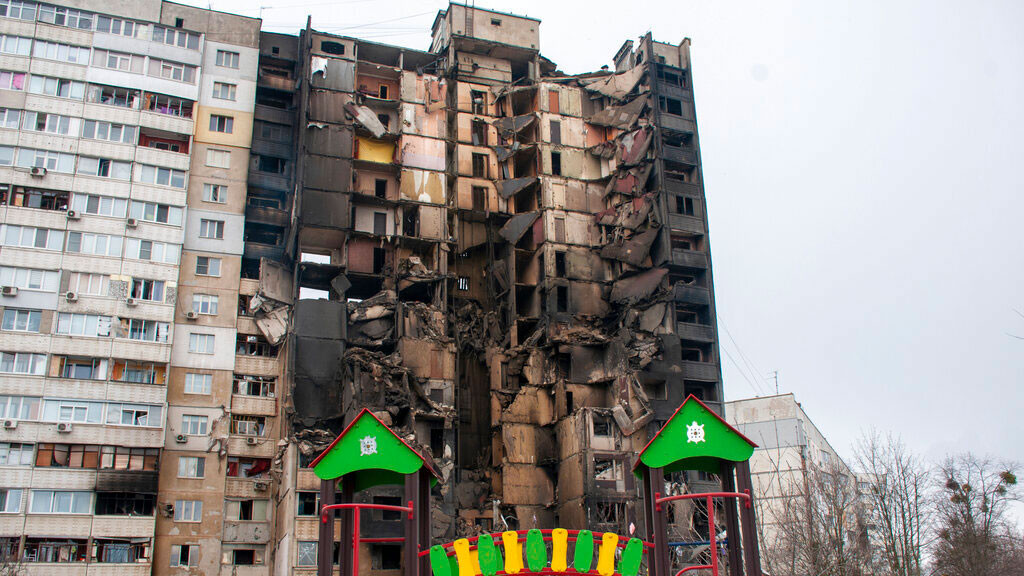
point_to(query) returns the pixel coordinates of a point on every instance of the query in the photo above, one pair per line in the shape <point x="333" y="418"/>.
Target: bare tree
<point x="819" y="526"/>
<point x="975" y="536"/>
<point x="897" y="493"/>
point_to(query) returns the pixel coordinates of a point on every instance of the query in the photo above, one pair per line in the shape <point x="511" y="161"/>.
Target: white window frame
<point x="205" y="304"/>
<point x="194" y="424"/>
<point x="215" y="193"/>
<point x="191" y="467"/>
<point x="188" y="510"/>
<point x="218" y="158"/>
<point x="227" y="59"/>
<point x="211" y="229"/>
<point x="197" y="383"/>
<point x="201" y="343"/>
<point x="225" y="91"/>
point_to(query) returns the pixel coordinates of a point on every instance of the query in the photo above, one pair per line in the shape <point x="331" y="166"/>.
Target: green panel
<point x="370" y="448"/>
<point x="629" y="564"/>
<point x="693" y="439"/>
<point x="536" y="553"/>
<point x="453" y="565"/>
<point x="439" y="564"/>
<point x="487" y="555"/>
<point x="583" y="555"/>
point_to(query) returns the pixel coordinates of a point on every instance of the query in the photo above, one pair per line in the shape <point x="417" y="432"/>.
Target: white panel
<point x="234" y="225"/>
<point x="224" y="342"/>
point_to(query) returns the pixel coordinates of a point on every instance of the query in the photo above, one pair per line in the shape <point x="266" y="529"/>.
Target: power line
<point x="753" y="388"/>
<point x="750" y="363"/>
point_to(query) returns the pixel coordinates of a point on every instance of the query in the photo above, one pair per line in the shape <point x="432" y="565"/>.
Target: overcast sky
<point x="861" y="168"/>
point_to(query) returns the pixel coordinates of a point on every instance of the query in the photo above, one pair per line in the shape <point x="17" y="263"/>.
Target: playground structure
<point x="368" y="453"/>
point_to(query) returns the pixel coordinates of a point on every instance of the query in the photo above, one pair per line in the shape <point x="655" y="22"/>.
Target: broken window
<point x="382" y="93"/>
<point x="309" y="503"/>
<point x="479" y="165"/>
<point x="463" y="283"/>
<point x="602" y="426"/>
<point x="436" y="440"/>
<point x="479" y="133"/>
<point x="246" y="510"/>
<point x="251" y="345"/>
<point x="479" y="99"/>
<point x="556" y="163"/>
<point x="556" y="133"/>
<point x="410" y="221"/>
<point x="332" y="47"/>
<point x="495" y="22"/>
<point x="270" y="164"/>
<point x="243" y="425"/>
<point x="250" y="385"/>
<point x="380" y="188"/>
<point x="687" y="316"/>
<point x="379" y="258"/>
<point x="560" y="264"/>
<point x="386" y="556"/>
<point x="608" y="474"/>
<point x="691" y="354"/>
<point x="684" y="205"/>
<point x="479" y="198"/>
<point x="609" y="512"/>
<point x="385" y="120"/>
<point x="380" y="223"/>
<point x="562" y="298"/>
<point x="671" y="106"/>
<point x="656" y="390"/>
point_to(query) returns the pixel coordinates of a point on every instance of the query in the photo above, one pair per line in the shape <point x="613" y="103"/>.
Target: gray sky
<point x="860" y="163"/>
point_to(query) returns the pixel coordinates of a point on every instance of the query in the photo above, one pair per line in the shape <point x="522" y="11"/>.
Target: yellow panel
<point x="241" y="129"/>
<point x="606" y="556"/>
<point x="374" y="150"/>
<point x="559" y="549"/>
<point x="513" y="552"/>
<point x="467" y="562"/>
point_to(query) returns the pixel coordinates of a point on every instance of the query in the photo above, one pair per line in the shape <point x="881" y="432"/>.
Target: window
<point x="113" y="60"/>
<point x="139" y="372"/>
<point x="58" y="87"/>
<point x="336" y="48"/>
<point x="193" y="424"/>
<point x="308" y="503"/>
<point x="72" y="411"/>
<point x="217" y="193"/>
<point x="61" y="52"/>
<point x="81" y="368"/>
<point x="556" y="163"/>
<point x="188" y="511"/>
<point x="204" y="304"/>
<point x="53" y="550"/>
<point x="479" y="99"/>
<point x="159" y="213"/>
<point x="248" y="385"/>
<point x="556" y="131"/>
<point x="168" y="105"/>
<point x="29" y="278"/>
<point x="19" y="407"/>
<point x="22" y="320"/>
<point x="198" y="383"/>
<point x="68" y="456"/>
<point x="602" y="426"/>
<point x="83" y="324"/>
<point x="671" y="106"/>
<point x="10" y="501"/>
<point x="96" y="130"/>
<point x="15" y="45"/>
<point x="172" y="70"/>
<point x="120" y="551"/>
<point x="62" y="16"/>
<point x="116" y="26"/>
<point x="225" y="124"/>
<point x="478" y="133"/>
<point x="184" y="555"/>
<point x="200" y="343"/>
<point x="20" y="9"/>
<point x="60" y="502"/>
<point x="125" y="503"/>
<point x="55" y="161"/>
<point x="684" y="205"/>
<point x="479" y="165"/>
<point x="22" y="363"/>
<point x="307" y="553"/>
<point x="174" y="37"/>
<point x="191" y="466"/>
<point x="12" y="80"/>
<point x="275" y="132"/>
<point x="34" y="198"/>
<point x="112" y="96"/>
<point x="247" y="467"/>
<point x="99" y="205"/>
<point x="495" y="22"/>
<point x="10" y="118"/>
<point x="218" y="158"/>
<point x="133" y="414"/>
<point x="29" y="237"/>
<point x="213" y="229"/>
<point x="207" y="266"/>
<point x="227" y="59"/>
<point x="86" y="283"/>
<point x="244" y="425"/>
<point x="152" y="251"/>
<point x="96" y="244"/>
<point x="145" y="330"/>
<point x="270" y="164"/>
<point x="152" y="290"/>
<point x="249" y="345"/>
<point x="463" y="283"/>
<point x="561" y="298"/>
<point x="160" y="176"/>
<point x="224" y="91"/>
<point x="385" y="556"/>
<point x="125" y="458"/>
<point x="246" y="510"/>
<point x="242" y="556"/>
<point x="105" y="168"/>
<point x="15" y="454"/>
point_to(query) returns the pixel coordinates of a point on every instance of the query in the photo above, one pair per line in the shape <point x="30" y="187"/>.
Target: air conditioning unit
<point x="132" y="222"/>
<point x="10" y="424"/>
<point x="191" y="315"/>
<point x="64" y="427"/>
<point x="252" y="441"/>
<point x="38" y="171"/>
<point x="9" y="291"/>
<point x="260" y="485"/>
<point x="72" y="215"/>
<point x="71" y="297"/>
<point x="181" y="438"/>
<point x="131" y="302"/>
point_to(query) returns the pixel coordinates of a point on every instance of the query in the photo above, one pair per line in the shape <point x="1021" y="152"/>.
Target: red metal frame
<point x="712" y="536"/>
<point x="356" y="507"/>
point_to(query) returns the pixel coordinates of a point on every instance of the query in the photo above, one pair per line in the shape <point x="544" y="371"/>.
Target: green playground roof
<point x="695" y="438"/>
<point x="371" y="452"/>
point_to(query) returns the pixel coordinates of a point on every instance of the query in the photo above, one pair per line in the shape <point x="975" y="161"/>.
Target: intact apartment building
<point x="241" y="238"/>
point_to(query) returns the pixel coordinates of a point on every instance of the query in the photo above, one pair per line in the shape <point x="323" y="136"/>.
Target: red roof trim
<point x="397" y="437"/>
<point x="710" y="411"/>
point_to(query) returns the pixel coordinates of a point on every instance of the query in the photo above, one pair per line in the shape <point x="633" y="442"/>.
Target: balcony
<point x="679" y="155"/>
<point x="265" y="215"/>
<point x="705" y="371"/>
<point x="265" y="446"/>
<point x="272" y="148"/>
<point x="674" y="186"/>
<point x="690" y="294"/>
<point x="673" y="91"/>
<point x="695" y="332"/>
<point x="689" y="259"/>
<point x="269" y="180"/>
<point x="126" y="481"/>
<point x="275" y="82"/>
<point x="123" y="526"/>
<point x="255" y="405"/>
<point x="276" y="115"/>
<point x="677" y="124"/>
<point x="255" y="250"/>
<point x="256" y="365"/>
<point x="684" y="223"/>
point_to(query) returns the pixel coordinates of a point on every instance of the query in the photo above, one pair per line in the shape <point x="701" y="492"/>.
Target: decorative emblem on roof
<point x="368" y="445"/>
<point x="695" y="433"/>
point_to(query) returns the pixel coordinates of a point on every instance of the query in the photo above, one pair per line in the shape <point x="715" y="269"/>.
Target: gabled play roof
<point x="372" y="452"/>
<point x="694" y="438"/>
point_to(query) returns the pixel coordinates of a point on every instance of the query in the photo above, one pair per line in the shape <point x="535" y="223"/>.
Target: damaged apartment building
<point x="219" y="244"/>
<point x="508" y="264"/>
